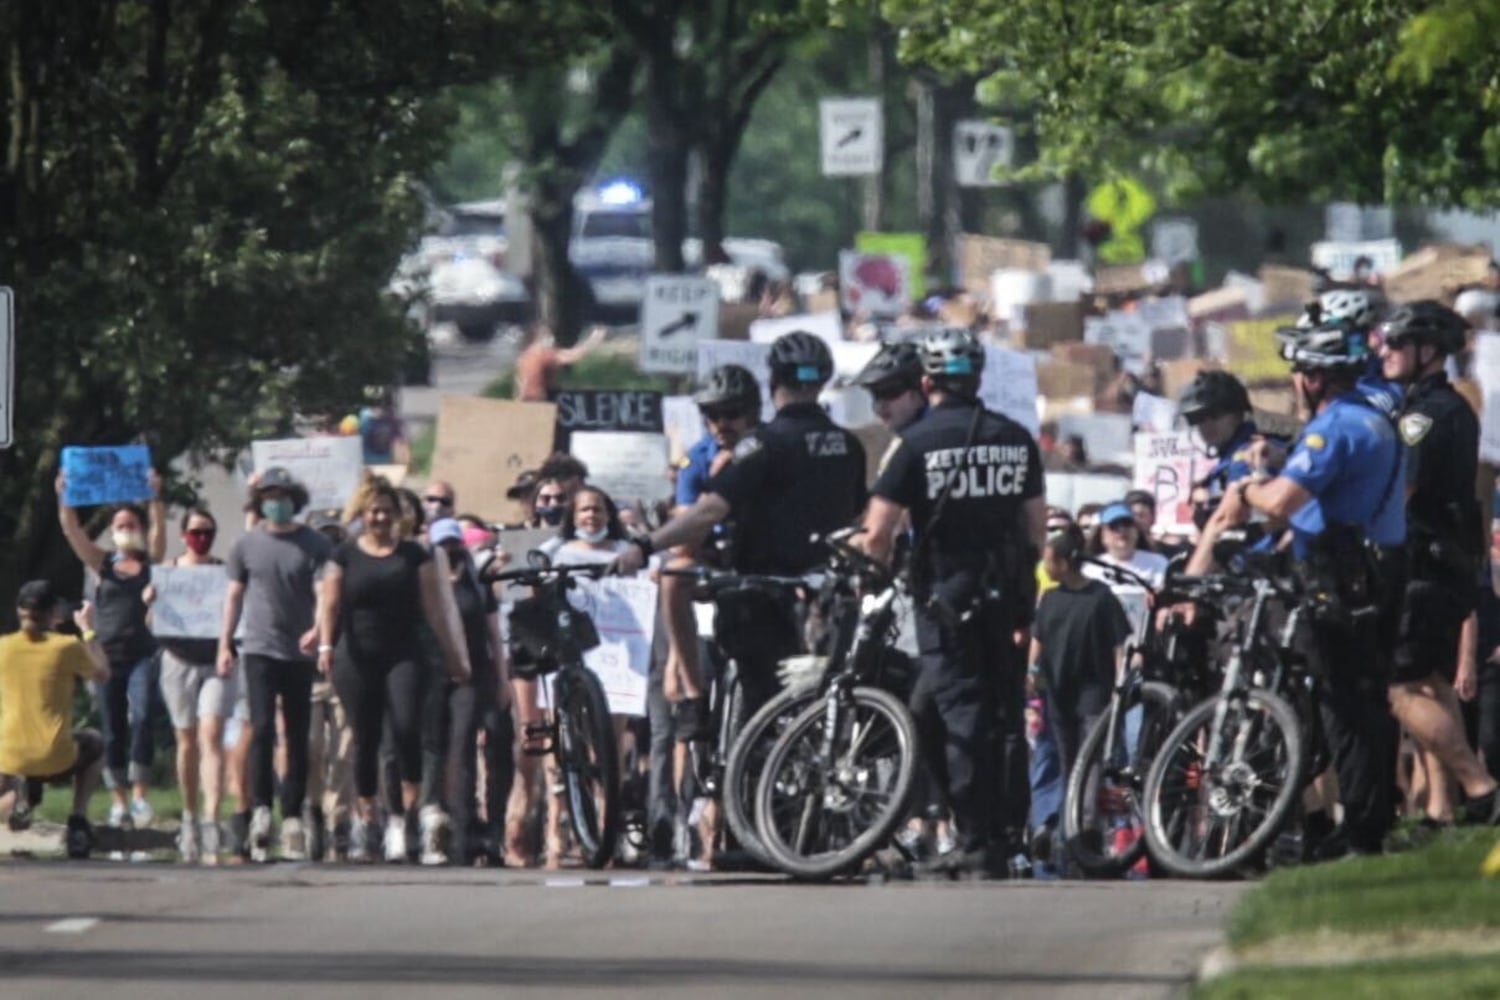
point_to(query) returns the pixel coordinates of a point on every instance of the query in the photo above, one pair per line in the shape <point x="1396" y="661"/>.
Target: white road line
<point x="563" y="883"/>
<point x="72" y="925"/>
<point x="629" y="881"/>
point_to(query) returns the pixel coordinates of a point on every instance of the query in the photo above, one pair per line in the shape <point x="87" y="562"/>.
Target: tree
<point x="1325" y="98"/>
<point x="200" y="204"/>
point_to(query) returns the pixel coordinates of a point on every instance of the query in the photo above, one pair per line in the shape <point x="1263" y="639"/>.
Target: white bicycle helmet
<point x="1356" y="306"/>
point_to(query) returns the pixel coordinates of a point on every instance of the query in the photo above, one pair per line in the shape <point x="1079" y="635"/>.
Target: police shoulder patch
<point x="1414" y="427"/>
<point x="1315" y="442"/>
<point x="749" y="446"/>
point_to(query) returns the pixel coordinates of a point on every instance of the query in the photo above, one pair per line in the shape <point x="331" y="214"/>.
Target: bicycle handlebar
<point x="538" y="575"/>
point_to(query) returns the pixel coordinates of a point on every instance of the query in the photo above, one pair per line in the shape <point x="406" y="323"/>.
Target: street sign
<point x="852" y="135"/>
<point x="1174" y="241"/>
<point x="978" y="148"/>
<point x="677" y="311"/>
<point x="7" y="364"/>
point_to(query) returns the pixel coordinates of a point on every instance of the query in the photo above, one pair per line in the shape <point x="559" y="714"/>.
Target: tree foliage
<point x="1355" y="99"/>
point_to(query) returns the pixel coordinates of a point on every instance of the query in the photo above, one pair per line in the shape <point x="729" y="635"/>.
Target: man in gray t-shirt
<point x="274" y="574"/>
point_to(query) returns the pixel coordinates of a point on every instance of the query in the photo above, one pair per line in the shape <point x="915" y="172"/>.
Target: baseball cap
<point x="1117" y="511"/>
<point x="36" y="596"/>
<point x="445" y="529"/>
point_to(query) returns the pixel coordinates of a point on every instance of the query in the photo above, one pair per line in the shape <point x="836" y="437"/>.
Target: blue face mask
<point x="277" y="511"/>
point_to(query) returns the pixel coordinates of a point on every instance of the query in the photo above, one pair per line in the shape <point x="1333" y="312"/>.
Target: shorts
<point x="90" y="751"/>
<point x="1432" y="619"/>
<point x="193" y="691"/>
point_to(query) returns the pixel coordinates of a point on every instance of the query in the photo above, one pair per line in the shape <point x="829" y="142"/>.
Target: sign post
<point x="853" y="138"/>
<point x="7" y="365"/>
<point x="677" y="312"/>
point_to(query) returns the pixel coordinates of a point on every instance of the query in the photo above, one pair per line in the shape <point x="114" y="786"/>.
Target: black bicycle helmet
<point x="730" y="386"/>
<point x="952" y="352"/>
<point x="1329" y="346"/>
<point x="800" y="359"/>
<point x="1426" y="322"/>
<point x="1212" y="393"/>
<point x="896" y="366"/>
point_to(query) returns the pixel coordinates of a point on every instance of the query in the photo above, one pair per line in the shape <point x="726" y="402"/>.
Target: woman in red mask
<point x="197" y="698"/>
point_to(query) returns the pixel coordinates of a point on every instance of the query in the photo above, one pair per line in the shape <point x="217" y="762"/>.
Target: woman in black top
<point x="377" y="591"/>
<point x="125" y="700"/>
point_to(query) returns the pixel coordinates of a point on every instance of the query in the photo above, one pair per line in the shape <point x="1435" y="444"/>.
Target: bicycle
<point x="578" y="730"/>
<point x="837" y="778"/>
<point x="1229" y="776"/>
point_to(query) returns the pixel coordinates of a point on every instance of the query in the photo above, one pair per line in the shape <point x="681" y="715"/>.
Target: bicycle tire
<point x="827" y="864"/>
<point x="747" y="757"/>
<point x="1165" y="821"/>
<point x="1163" y="706"/>
<point x="590" y="766"/>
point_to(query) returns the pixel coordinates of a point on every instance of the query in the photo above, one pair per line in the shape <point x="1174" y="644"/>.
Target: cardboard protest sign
<point x="1286" y="286"/>
<point x="1220" y="304"/>
<point x="912" y="247"/>
<point x="329" y="467"/>
<point x="484" y="444"/>
<point x="1047" y="323"/>
<point x="1072" y="490"/>
<point x="1176" y="375"/>
<point x="1127" y="334"/>
<point x="623" y="610"/>
<point x="874" y="284"/>
<point x="393" y="474"/>
<point x="1249" y="347"/>
<point x="189" y="601"/>
<point x="1167" y="465"/>
<point x="1008" y="385"/>
<point x="1107" y="436"/>
<point x="1487" y="374"/>
<point x="826" y="326"/>
<point x="1119" y="279"/>
<point x="748" y="355"/>
<point x="1062" y="380"/>
<point x="107" y="475"/>
<point x="606" y="410"/>
<point x="981" y="256"/>
<point x="631" y="467"/>
<point x="1435" y="272"/>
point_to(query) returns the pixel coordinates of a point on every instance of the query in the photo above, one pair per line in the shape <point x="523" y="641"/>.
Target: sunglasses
<point x="201" y="532"/>
<point x="440" y="501"/>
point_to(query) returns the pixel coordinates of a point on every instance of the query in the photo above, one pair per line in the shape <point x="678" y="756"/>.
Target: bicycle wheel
<point x="1208" y="821"/>
<point x="747" y="759"/>
<point x="819" y="815"/>
<point x="1103" y="814"/>
<point x="590" y="766"/>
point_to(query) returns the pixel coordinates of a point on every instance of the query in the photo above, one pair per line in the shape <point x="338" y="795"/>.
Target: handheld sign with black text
<point x="606" y="410"/>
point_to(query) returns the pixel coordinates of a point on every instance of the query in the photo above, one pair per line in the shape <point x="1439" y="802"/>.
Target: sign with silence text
<point x="677" y="311"/>
<point x="606" y="410"/>
<point x="189" y="601"/>
<point x="852" y="135"/>
<point x="106" y="475"/>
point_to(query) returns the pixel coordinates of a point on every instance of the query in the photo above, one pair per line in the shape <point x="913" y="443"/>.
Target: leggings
<point x="266" y="679"/>
<point x="374" y="689"/>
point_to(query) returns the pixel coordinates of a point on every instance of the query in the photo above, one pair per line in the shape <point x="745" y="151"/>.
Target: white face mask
<point x="128" y="541"/>
<point x="593" y="538"/>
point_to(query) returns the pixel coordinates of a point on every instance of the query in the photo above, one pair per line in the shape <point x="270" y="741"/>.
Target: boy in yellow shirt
<point x="39" y="671"/>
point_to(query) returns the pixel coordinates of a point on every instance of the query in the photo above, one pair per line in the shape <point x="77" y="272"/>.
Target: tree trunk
<point x="559" y="294"/>
<point x="668" y="163"/>
<point x="1073" y="195"/>
<point x="874" y="201"/>
<point x="713" y="197"/>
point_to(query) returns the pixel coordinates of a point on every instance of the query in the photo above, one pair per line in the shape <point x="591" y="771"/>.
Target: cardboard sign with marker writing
<point x="1048" y="323"/>
<point x="484" y="444"/>
<point x="981" y="256"/>
<point x="1287" y="286"/>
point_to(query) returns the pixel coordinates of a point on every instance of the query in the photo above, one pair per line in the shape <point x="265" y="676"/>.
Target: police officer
<point x="1340" y="493"/>
<point x="1445" y="549"/>
<point x="972" y="483"/>
<point x="893" y="379"/>
<point x="789" y="479"/>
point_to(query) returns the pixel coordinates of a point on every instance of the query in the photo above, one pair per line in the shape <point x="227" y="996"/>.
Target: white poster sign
<point x="330" y="467"/>
<point x="1174" y="241"/>
<point x="677" y="311"/>
<point x="1338" y="258"/>
<point x="1009" y="385"/>
<point x="1487" y="374"/>
<point x="827" y="326"/>
<point x="682" y="422"/>
<point x="628" y="465"/>
<point x="745" y="353"/>
<point x="1153" y="413"/>
<point x="1167" y="312"/>
<point x="874" y="284"/>
<point x="624" y="613"/>
<point x="1127" y="334"/>
<point x="978" y="148"/>
<point x="852" y="136"/>
<point x="1166" y="466"/>
<point x="1106" y="436"/>
<point x="1072" y="490"/>
<point x="189" y="601"/>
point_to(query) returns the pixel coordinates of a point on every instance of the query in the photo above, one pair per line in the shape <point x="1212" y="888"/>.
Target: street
<point x="75" y="930"/>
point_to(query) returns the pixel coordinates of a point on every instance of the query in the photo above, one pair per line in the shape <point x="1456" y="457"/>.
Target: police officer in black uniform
<point x="797" y="476"/>
<point x="972" y="483"/>
<point x="893" y="378"/>
<point x="1445" y="544"/>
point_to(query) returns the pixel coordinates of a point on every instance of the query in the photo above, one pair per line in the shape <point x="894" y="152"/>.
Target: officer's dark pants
<point x="969" y="703"/>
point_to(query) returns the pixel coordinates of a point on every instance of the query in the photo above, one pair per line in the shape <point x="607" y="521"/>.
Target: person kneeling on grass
<point x="40" y="669"/>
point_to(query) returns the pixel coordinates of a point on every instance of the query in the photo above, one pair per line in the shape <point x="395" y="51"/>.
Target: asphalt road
<point x="136" y="931"/>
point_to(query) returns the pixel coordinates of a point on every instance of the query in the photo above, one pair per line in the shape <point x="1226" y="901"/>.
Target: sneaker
<point x="341" y="841"/>
<point x="141" y="813"/>
<point x="1483" y="811"/>
<point x="361" y="842"/>
<point x="80" y="837"/>
<point x="293" y="840"/>
<point x="260" y="834"/>
<point x="210" y="841"/>
<point x="119" y="816"/>
<point x="395" y="840"/>
<point x="20" y="815"/>
<point x="189" y="846"/>
<point x="239" y="836"/>
<point x="435" y="835"/>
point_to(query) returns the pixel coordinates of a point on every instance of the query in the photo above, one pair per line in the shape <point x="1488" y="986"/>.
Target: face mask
<point x="200" y="544"/>
<point x="129" y="541"/>
<point x="277" y="511"/>
<point x="550" y="515"/>
<point x="593" y="537"/>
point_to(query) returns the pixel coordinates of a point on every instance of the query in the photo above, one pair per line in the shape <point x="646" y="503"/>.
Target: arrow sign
<point x="689" y="321"/>
<point x="853" y="140"/>
<point x="677" y="311"/>
<point x="851" y="137"/>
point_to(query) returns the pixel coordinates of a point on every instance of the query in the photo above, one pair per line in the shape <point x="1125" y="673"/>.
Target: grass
<point x="600" y="370"/>
<point x="1425" y="901"/>
<point x="423" y="444"/>
<point x="55" y="805"/>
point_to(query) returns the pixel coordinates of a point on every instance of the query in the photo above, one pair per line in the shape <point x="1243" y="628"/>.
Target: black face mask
<point x="550" y="515"/>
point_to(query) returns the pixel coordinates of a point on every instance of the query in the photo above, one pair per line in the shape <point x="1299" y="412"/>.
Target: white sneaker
<point x="293" y="840"/>
<point x="434" y="823"/>
<point x="189" y="844"/>
<point x="395" y="840"/>
<point x="141" y="813"/>
<point x="260" y="835"/>
<point x="210" y="841"/>
<point x="119" y="816"/>
<point x="361" y="842"/>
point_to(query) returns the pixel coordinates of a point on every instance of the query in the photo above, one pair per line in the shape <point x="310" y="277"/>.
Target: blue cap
<point x="1117" y="511"/>
<point x="445" y="529"/>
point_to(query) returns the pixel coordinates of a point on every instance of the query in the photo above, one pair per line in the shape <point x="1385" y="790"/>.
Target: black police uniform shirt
<point x="1441" y="434"/>
<point x="799" y="475"/>
<point x="992" y="478"/>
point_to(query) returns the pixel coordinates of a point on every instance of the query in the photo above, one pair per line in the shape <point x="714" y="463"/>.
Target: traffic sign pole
<point x="7" y="365"/>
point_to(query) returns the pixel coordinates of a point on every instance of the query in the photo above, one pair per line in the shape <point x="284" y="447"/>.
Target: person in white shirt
<point x="1118" y="544"/>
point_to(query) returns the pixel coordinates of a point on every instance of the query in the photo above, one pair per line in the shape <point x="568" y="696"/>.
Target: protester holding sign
<point x="123" y="575"/>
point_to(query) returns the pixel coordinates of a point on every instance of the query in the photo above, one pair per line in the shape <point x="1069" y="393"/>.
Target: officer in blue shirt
<point x="1340" y="491"/>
